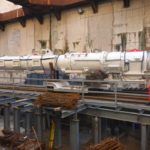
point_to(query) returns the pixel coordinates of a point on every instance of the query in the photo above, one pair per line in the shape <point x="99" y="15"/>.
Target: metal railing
<point x="87" y="88"/>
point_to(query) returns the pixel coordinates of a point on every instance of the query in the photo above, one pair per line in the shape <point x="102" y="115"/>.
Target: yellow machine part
<point x="52" y="136"/>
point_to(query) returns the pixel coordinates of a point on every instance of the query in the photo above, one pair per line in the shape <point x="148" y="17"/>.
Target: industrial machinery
<point x="110" y="66"/>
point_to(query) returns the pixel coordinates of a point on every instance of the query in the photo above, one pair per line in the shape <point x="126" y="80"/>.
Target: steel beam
<point x="143" y="137"/>
<point x="74" y="134"/>
<point x="28" y="123"/>
<point x="99" y="129"/>
<point x="118" y="115"/>
<point x="44" y="121"/>
<point x="58" y="134"/>
<point x="39" y="123"/>
<point x="7" y="117"/>
<point x="95" y="130"/>
<point x="16" y="119"/>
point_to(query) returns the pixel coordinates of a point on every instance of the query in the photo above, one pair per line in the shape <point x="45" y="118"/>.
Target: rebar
<point x="108" y="144"/>
<point x="63" y="100"/>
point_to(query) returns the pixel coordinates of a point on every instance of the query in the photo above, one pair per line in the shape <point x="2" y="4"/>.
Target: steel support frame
<point x="16" y="119"/>
<point x="118" y="115"/>
<point x="28" y="123"/>
<point x="74" y="134"/>
<point x="7" y="117"/>
<point x="39" y="123"/>
<point x="99" y="129"/>
<point x="58" y="134"/>
<point x="142" y="119"/>
<point x="126" y="3"/>
<point x="143" y="137"/>
<point x="97" y="132"/>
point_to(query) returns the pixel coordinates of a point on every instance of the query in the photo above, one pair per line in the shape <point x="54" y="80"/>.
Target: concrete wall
<point x="7" y="6"/>
<point x="112" y="28"/>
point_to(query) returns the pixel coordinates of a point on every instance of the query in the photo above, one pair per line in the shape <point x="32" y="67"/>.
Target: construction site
<point x="74" y="75"/>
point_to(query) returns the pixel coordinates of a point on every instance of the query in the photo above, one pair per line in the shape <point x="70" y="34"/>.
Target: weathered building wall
<point x="112" y="28"/>
<point x="17" y="40"/>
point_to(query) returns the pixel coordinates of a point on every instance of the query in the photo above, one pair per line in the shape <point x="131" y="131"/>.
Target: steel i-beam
<point x="95" y="130"/>
<point x="99" y="129"/>
<point x="74" y="134"/>
<point x="143" y="137"/>
<point x="39" y="123"/>
<point x="58" y="135"/>
<point x="28" y="123"/>
<point x="7" y="117"/>
<point x="16" y="119"/>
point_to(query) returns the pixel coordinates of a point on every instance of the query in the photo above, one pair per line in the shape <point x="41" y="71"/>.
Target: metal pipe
<point x="95" y="130"/>
<point x="99" y="129"/>
<point x="39" y="123"/>
<point x="16" y="119"/>
<point x="44" y="121"/>
<point x="7" y="117"/>
<point x="58" y="134"/>
<point x="143" y="137"/>
<point x="74" y="134"/>
<point x="28" y="123"/>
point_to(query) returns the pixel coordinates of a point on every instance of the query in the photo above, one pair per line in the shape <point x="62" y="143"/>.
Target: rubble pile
<point x="63" y="100"/>
<point x="108" y="144"/>
<point x="17" y="141"/>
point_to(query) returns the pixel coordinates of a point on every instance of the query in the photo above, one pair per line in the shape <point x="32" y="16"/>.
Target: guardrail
<point x="87" y="88"/>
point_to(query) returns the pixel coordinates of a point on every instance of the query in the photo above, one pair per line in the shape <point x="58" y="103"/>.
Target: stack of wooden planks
<point x="63" y="100"/>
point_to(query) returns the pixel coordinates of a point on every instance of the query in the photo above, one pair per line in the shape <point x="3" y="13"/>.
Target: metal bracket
<point x="94" y="5"/>
<point x="40" y="19"/>
<point x="22" y="22"/>
<point x="126" y="3"/>
<point x="2" y="26"/>
<point x="57" y="14"/>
